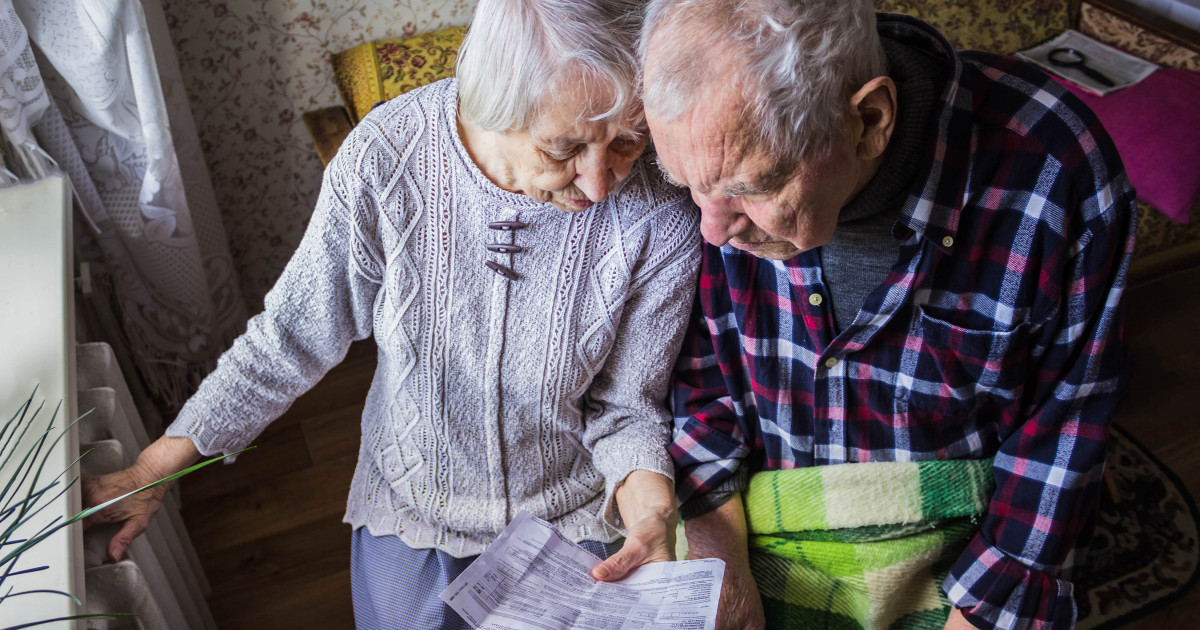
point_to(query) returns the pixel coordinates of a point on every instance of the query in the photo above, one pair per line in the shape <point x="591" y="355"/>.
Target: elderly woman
<point x="526" y="278"/>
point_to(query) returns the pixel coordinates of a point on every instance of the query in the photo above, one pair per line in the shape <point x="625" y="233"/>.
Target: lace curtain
<point x="92" y="88"/>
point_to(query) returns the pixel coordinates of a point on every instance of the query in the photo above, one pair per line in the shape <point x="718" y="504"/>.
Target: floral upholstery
<point x="384" y="69"/>
<point x="1116" y="31"/>
<point x="999" y="26"/>
<point x="1157" y="232"/>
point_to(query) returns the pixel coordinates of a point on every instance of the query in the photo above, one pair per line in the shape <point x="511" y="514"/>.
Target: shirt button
<point x="948" y="241"/>
<point x="815" y="299"/>
<point x="830" y="362"/>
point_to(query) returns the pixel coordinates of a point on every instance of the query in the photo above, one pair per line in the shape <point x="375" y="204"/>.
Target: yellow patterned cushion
<point x="998" y="26"/>
<point x="384" y="69"/>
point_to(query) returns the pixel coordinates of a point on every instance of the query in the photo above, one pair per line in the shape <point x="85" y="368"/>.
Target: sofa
<point x="376" y="71"/>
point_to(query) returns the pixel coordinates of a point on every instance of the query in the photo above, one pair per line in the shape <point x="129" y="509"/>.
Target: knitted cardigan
<point x="492" y="394"/>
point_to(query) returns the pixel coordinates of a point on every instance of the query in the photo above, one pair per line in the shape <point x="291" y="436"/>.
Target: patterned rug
<point x="1146" y="549"/>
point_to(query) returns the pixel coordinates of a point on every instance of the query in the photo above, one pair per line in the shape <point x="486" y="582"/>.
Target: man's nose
<point x="595" y="177"/>
<point x="718" y="218"/>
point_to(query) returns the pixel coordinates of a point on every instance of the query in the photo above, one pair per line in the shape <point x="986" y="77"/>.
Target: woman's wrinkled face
<point x="567" y="160"/>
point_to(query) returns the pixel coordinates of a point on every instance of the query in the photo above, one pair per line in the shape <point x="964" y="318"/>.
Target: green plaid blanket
<point x="862" y="546"/>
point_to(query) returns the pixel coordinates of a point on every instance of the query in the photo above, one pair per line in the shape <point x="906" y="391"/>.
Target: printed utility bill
<point x="533" y="578"/>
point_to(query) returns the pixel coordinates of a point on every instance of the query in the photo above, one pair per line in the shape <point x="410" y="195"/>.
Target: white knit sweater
<point x="492" y="395"/>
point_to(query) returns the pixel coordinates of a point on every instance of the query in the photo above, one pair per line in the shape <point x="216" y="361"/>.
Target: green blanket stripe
<point x="862" y="546"/>
<point x="866" y="495"/>
<point x="831" y="557"/>
<point x="952" y="489"/>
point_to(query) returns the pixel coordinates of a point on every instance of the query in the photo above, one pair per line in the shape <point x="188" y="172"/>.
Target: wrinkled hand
<point x="646" y="502"/>
<point x="649" y="540"/>
<point x="134" y="512"/>
<point x="162" y="458"/>
<point x="741" y="607"/>
<point x="722" y="534"/>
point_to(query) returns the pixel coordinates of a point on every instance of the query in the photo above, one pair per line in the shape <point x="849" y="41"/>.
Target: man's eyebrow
<point x="768" y="183"/>
<point x="741" y="189"/>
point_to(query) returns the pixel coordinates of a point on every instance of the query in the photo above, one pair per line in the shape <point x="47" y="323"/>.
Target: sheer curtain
<point x="92" y="87"/>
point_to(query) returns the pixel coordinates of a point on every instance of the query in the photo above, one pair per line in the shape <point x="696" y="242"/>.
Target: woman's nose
<point x="595" y="178"/>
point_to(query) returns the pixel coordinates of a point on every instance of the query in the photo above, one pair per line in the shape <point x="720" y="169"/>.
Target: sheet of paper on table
<point x="533" y="578"/>
<point x="1122" y="68"/>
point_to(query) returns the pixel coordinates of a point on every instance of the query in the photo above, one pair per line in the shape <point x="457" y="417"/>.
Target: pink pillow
<point x="1156" y="127"/>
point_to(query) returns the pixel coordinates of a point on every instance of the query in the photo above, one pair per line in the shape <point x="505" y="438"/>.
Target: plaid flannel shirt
<point x="996" y="334"/>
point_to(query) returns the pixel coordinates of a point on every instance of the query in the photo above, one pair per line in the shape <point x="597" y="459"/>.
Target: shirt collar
<point x="934" y="204"/>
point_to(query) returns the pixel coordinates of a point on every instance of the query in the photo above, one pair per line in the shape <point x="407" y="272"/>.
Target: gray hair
<point x="516" y="52"/>
<point x="796" y="63"/>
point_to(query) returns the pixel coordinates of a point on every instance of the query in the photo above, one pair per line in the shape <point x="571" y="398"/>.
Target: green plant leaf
<point x="43" y="590"/>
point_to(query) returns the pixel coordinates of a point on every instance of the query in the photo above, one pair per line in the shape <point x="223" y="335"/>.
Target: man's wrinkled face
<point x="745" y="199"/>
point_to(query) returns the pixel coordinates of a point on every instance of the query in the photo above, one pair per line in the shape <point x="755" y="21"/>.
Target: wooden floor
<point x="269" y="533"/>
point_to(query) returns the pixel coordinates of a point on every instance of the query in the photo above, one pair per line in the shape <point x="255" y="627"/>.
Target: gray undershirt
<point x="863" y="249"/>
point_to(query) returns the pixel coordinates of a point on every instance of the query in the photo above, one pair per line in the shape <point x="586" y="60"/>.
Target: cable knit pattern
<point x="491" y="395"/>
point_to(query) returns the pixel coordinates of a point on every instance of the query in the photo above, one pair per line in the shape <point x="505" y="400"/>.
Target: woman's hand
<point x="165" y="457"/>
<point x="646" y="502"/>
<point x="134" y="513"/>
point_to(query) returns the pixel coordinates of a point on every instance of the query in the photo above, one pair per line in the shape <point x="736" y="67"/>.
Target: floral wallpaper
<point x="251" y="68"/>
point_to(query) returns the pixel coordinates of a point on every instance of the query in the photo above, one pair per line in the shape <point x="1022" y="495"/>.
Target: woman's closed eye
<point x="625" y="144"/>
<point x="561" y="154"/>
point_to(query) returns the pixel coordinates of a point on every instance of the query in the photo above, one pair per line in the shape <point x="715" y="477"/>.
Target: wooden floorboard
<point x="269" y="533"/>
<point x="270" y="507"/>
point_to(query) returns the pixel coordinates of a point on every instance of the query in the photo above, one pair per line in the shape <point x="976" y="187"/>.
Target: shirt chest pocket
<point x="951" y="370"/>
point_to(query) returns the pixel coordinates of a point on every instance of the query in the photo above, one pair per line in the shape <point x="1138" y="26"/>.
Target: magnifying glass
<point x="1071" y="58"/>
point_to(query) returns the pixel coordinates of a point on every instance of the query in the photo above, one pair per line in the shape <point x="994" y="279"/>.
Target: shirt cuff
<point x="701" y="504"/>
<point x="994" y="590"/>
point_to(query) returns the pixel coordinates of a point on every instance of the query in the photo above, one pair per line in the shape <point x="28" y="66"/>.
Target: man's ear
<point x="874" y="106"/>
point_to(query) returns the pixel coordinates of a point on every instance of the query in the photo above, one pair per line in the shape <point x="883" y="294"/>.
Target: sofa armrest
<point x="328" y="128"/>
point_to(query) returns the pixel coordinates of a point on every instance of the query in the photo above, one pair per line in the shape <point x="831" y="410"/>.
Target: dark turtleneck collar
<point x="919" y="81"/>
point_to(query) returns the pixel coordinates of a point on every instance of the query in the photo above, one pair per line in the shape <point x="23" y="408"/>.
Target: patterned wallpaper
<point x="251" y="68"/>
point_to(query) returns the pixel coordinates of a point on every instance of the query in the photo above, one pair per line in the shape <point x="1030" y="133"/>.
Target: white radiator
<point x="161" y="579"/>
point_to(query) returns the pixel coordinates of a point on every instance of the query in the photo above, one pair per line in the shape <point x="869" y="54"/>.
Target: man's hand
<point x="163" y="458"/>
<point x="646" y="502"/>
<point x="721" y="533"/>
<point x="957" y="621"/>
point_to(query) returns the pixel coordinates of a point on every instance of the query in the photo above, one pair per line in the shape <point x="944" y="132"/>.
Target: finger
<point x="633" y="554"/>
<point x="123" y="539"/>
<point x="617" y="565"/>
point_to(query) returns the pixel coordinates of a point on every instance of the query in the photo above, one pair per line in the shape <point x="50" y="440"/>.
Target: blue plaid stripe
<point x="996" y="334"/>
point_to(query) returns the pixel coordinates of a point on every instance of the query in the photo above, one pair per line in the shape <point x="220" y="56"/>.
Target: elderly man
<point x="892" y="406"/>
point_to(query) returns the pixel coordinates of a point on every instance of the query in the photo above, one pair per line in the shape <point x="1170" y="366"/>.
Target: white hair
<point x="517" y="53"/>
<point x="795" y="62"/>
